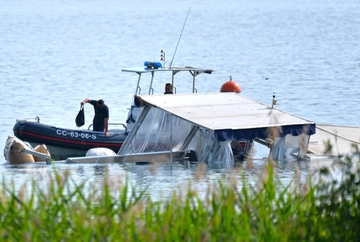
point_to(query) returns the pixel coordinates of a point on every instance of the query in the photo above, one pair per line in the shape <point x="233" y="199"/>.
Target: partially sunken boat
<point x="202" y="127"/>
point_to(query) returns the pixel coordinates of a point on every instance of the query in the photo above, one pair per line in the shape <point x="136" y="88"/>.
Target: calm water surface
<point x="53" y="54"/>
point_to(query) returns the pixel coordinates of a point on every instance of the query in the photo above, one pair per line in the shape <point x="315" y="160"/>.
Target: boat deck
<point x="340" y="137"/>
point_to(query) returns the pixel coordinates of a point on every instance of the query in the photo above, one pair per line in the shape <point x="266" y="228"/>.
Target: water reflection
<point x="25" y="169"/>
<point x="100" y="170"/>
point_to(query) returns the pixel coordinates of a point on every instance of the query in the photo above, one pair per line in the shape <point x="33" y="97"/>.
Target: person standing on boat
<point x="101" y="118"/>
<point x="168" y="88"/>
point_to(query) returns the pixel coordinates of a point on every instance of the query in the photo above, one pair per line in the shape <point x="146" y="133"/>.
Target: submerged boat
<point x="171" y="127"/>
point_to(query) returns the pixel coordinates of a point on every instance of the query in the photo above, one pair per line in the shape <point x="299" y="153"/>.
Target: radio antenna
<point x="179" y="38"/>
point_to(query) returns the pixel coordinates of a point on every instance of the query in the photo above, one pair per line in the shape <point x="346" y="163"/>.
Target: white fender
<point x="100" y="152"/>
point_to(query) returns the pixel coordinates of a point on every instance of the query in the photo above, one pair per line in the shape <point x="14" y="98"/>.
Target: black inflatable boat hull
<point x="63" y="143"/>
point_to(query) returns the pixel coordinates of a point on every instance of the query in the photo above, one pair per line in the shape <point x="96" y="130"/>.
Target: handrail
<point x="125" y="127"/>
<point x="181" y="155"/>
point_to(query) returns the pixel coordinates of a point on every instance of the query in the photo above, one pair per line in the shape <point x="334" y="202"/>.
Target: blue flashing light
<point x="152" y="65"/>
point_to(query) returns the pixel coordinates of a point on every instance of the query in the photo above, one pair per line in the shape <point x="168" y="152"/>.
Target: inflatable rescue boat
<point x="63" y="143"/>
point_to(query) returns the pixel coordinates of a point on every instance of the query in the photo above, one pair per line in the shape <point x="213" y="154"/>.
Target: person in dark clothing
<point x="168" y="88"/>
<point x="101" y="118"/>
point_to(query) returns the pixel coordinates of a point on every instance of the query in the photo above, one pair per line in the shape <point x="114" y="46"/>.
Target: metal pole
<point x="171" y="154"/>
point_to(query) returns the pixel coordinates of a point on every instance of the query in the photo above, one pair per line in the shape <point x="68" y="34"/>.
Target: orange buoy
<point x="230" y="86"/>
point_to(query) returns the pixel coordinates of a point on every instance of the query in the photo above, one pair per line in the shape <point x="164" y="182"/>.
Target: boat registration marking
<point x="75" y="134"/>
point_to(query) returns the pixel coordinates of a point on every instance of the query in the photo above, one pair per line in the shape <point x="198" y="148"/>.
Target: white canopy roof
<point x="228" y="112"/>
<point x="222" y="110"/>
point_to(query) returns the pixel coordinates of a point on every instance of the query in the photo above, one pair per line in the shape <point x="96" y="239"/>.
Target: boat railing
<point x="36" y="119"/>
<point x="174" y="70"/>
<point x="148" y="158"/>
<point x="115" y="124"/>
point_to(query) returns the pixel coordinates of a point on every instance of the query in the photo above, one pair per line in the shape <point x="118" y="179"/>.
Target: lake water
<point x="53" y="54"/>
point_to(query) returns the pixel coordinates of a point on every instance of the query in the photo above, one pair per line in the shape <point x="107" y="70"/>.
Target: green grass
<point x="232" y="210"/>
